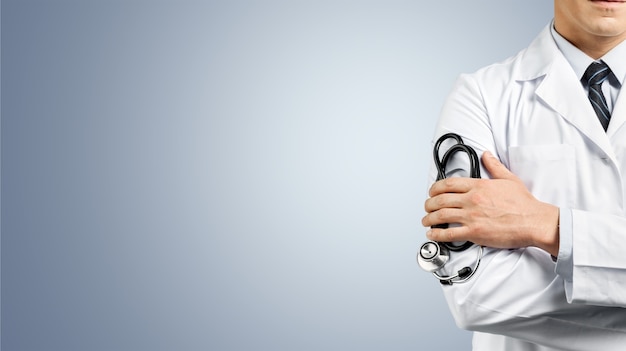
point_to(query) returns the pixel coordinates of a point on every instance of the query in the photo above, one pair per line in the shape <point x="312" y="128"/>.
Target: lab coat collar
<point x="538" y="58"/>
<point x="561" y="90"/>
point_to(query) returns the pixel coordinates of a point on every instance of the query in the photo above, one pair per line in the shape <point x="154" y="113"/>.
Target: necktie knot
<point x="596" y="73"/>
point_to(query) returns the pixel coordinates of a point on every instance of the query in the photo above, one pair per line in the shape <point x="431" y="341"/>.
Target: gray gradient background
<point x="229" y="175"/>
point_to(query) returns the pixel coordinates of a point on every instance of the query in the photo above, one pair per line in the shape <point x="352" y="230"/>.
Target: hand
<point x="498" y="212"/>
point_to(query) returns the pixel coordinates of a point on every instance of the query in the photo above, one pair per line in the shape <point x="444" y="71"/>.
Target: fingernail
<point x="429" y="233"/>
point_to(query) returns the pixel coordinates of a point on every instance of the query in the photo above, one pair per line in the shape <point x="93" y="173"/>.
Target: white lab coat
<point x="532" y="112"/>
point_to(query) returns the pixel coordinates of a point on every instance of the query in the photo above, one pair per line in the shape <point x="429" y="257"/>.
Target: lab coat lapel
<point x="561" y="90"/>
<point x="618" y="116"/>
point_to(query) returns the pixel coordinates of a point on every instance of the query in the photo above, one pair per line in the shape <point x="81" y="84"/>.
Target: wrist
<point x="547" y="235"/>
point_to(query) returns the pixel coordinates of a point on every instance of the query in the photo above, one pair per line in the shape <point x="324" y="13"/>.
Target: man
<point x="552" y="217"/>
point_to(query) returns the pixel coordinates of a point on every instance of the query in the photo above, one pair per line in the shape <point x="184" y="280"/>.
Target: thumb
<point x="495" y="168"/>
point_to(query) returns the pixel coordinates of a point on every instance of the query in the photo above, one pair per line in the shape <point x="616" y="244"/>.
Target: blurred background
<point x="229" y="175"/>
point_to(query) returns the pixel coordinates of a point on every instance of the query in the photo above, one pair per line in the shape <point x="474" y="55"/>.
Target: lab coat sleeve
<point x="599" y="268"/>
<point x="517" y="292"/>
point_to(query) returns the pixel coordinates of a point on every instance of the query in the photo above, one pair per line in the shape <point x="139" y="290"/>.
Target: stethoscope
<point x="433" y="255"/>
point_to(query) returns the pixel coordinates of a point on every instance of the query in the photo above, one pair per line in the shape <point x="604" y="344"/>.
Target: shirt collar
<point x="615" y="60"/>
<point x="580" y="61"/>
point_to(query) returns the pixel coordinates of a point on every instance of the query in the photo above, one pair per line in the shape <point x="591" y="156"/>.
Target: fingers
<point x="448" y="235"/>
<point x="451" y="185"/>
<point x="495" y="168"/>
<point x="445" y="200"/>
<point x="444" y="215"/>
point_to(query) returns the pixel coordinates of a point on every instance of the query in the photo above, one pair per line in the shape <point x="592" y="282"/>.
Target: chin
<point x="608" y="27"/>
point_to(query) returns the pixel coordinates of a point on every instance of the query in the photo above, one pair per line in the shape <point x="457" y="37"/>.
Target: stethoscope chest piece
<point x="432" y="256"/>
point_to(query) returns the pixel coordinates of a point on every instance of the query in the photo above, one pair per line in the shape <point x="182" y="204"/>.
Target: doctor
<point x="553" y="214"/>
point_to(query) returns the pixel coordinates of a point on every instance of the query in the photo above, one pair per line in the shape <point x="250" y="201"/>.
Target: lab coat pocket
<point x="549" y="171"/>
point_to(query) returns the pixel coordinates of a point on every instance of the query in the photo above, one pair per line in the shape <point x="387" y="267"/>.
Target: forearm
<point x="499" y="213"/>
<point x="546" y="231"/>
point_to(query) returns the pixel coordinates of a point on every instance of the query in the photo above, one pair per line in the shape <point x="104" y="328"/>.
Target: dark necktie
<point x="595" y="74"/>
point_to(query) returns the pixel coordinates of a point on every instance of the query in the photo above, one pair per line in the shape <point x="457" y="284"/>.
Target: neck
<point x="595" y="46"/>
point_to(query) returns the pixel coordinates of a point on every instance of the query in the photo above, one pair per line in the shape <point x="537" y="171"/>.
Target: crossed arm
<point x="498" y="212"/>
